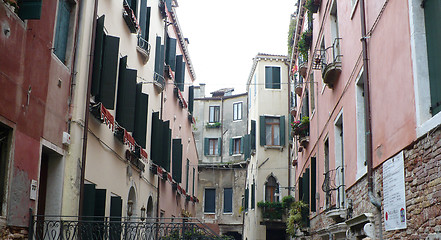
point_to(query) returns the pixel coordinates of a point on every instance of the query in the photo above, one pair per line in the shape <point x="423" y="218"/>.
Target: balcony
<point x="328" y="60"/>
<point x="333" y="182"/>
<point x="130" y="18"/>
<point x="106" y="228"/>
<point x="159" y="81"/>
<point x="143" y="48"/>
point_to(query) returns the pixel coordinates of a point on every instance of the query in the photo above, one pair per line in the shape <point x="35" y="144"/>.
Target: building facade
<point x="221" y="139"/>
<point x="36" y="70"/>
<point x="371" y="106"/>
<point x="269" y="170"/>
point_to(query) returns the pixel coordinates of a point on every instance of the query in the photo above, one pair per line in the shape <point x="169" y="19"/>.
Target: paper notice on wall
<point x="394" y="193"/>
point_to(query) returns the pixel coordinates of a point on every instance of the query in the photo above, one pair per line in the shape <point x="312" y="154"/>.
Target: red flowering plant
<point x="301" y="127"/>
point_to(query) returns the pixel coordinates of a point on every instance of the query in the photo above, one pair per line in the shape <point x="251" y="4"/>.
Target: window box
<point x="130" y="18"/>
<point x="301" y="128"/>
<point x="213" y="125"/>
<point x="272" y="210"/>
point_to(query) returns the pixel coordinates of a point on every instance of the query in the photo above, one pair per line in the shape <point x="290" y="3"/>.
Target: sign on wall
<point x="394" y="193"/>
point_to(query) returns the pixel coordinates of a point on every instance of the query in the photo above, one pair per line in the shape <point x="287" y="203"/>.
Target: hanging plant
<point x="305" y="43"/>
<point x="297" y="218"/>
<point x="313" y="5"/>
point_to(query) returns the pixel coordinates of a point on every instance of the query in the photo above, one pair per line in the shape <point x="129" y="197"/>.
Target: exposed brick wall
<point x="422" y="161"/>
<point x="13" y="233"/>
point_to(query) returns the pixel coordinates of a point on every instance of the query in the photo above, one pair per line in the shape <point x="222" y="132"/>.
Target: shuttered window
<point x="62" y="29"/>
<point x="29" y="9"/>
<point x="159" y="61"/>
<point x="272" y="77"/>
<point x="115" y="218"/>
<point x="109" y="71"/>
<point x="432" y="15"/>
<point x="187" y="174"/>
<point x="305" y="186"/>
<point x="180" y="72"/>
<point x="141" y="111"/>
<point x="98" y="56"/>
<point x="144" y="20"/>
<point x="193" y="186"/>
<point x="272" y="131"/>
<point x="253" y="134"/>
<point x="236" y="145"/>
<point x="125" y="104"/>
<point x="313" y="184"/>
<point x="247" y="146"/>
<point x="170" y="55"/>
<point x="156" y="142"/>
<point x="253" y="195"/>
<point x="212" y="146"/>
<point x="166" y="145"/>
<point x="228" y="200"/>
<point x="177" y="160"/>
<point x="190" y="99"/>
<point x="247" y="198"/>
<point x="210" y="200"/>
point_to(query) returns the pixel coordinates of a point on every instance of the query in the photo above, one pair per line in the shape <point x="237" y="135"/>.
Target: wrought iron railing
<point x="144" y="45"/>
<point x="325" y="57"/>
<point x="111" y="228"/>
<point x="333" y="181"/>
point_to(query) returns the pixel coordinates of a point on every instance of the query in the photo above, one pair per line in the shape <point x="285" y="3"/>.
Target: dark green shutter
<point x="125" y="104"/>
<point x="306" y="186"/>
<point x="115" y="218"/>
<point x="242" y="141"/>
<point x="156" y="139"/>
<point x="210" y="201"/>
<point x="141" y="111"/>
<point x="276" y="77"/>
<point x="166" y="145"/>
<point x="177" y="160"/>
<point x="247" y="193"/>
<point x="147" y="25"/>
<point x="170" y="57"/>
<point x="432" y="14"/>
<point x="206" y="146"/>
<point x="100" y="203"/>
<point x="305" y="105"/>
<point x="168" y="3"/>
<point x="161" y="65"/>
<point x="253" y="134"/>
<point x="194" y="176"/>
<point x="247" y="146"/>
<point x="282" y="131"/>
<point x="190" y="99"/>
<point x="187" y="176"/>
<point x="89" y="200"/>
<point x="253" y="195"/>
<point x="228" y="200"/>
<point x="29" y="9"/>
<point x="268" y="77"/>
<point x="231" y="146"/>
<point x="98" y="56"/>
<point x="62" y="29"/>
<point x="219" y="146"/>
<point x="180" y="72"/>
<point x="158" y="55"/>
<point x="262" y="131"/>
<point x="142" y="17"/>
<point x="300" y="184"/>
<point x="109" y="71"/>
<point x="313" y="183"/>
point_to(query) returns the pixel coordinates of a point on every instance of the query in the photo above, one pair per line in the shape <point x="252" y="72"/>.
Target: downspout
<point x="86" y="110"/>
<point x="289" y="125"/>
<point x="372" y="198"/>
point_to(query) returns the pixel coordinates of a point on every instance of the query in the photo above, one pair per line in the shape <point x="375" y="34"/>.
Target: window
<point x="210" y="200"/>
<point x="271" y="190"/>
<point x="236" y="146"/>
<point x="214" y="114"/>
<point x="272" y="131"/>
<point x="339" y="161"/>
<point x="212" y="146"/>
<point x="5" y="138"/>
<point x="327" y="191"/>
<point x="228" y="200"/>
<point x="62" y="29"/>
<point x="237" y="111"/>
<point x="361" y="126"/>
<point x="272" y="77"/>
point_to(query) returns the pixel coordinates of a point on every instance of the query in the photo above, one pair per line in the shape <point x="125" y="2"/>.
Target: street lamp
<point x="129" y="208"/>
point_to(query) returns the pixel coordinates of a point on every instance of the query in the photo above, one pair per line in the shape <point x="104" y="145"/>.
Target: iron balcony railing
<point x="333" y="181"/>
<point x="144" y="46"/>
<point x="325" y="57"/>
<point x="111" y="228"/>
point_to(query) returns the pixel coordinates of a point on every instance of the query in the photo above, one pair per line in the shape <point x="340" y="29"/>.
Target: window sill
<point x="273" y="147"/>
<point x="237" y="154"/>
<point x="209" y="213"/>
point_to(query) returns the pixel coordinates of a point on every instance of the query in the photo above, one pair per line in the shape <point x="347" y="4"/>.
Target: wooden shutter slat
<point x="98" y="56"/>
<point x="156" y="139"/>
<point x="170" y="57"/>
<point x="125" y="103"/>
<point x="141" y="111"/>
<point x="109" y="71"/>
<point x="177" y="160"/>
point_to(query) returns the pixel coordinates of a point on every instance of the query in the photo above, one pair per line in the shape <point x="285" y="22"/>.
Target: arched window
<point x="271" y="190"/>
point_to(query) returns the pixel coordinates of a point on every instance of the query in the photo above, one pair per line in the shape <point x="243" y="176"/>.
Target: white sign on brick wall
<point x="394" y="193"/>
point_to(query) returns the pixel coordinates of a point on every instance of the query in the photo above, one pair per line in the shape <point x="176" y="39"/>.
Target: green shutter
<point x="253" y="196"/>
<point x="89" y="200"/>
<point x="300" y="184"/>
<point x="276" y="77"/>
<point x="100" y="203"/>
<point x="62" y="28"/>
<point x="168" y="3"/>
<point x="142" y="17"/>
<point x="219" y="146"/>
<point x="177" y="160"/>
<point x="247" y="193"/>
<point x="156" y="139"/>
<point x="180" y="72"/>
<point x="206" y="146"/>
<point x="305" y="104"/>
<point x="147" y="25"/>
<point x="306" y="186"/>
<point x="98" y="56"/>
<point x="192" y="188"/>
<point x="313" y="183"/>
<point x="247" y="147"/>
<point x="242" y="141"/>
<point x="432" y="14"/>
<point x="268" y="77"/>
<point x="29" y="9"/>
<point x="253" y="134"/>
<point x="187" y="170"/>
<point x="162" y="61"/>
<point x="109" y="71"/>
<point x="231" y="146"/>
<point x="190" y="99"/>
<point x="282" y="131"/>
<point x="158" y="56"/>
<point x="115" y="218"/>
<point x="170" y="57"/>
<point x="141" y="111"/>
<point x="166" y="145"/>
<point x="125" y="103"/>
<point x="262" y="131"/>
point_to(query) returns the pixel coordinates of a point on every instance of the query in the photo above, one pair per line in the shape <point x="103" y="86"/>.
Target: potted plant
<point x="304" y="44"/>
<point x="301" y="127"/>
<point x="298" y="217"/>
<point x="313" y="5"/>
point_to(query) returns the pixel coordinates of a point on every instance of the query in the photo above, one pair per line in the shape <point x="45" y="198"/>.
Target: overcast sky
<point x="225" y="35"/>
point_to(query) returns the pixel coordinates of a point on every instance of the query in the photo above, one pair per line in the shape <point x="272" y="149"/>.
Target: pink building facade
<point x="369" y="86"/>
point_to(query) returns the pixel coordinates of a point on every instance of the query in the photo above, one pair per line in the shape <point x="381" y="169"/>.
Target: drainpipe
<point x="86" y="110"/>
<point x="289" y="125"/>
<point x="372" y="198"/>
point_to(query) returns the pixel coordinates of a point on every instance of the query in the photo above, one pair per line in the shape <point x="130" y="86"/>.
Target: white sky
<point x="226" y="35"/>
